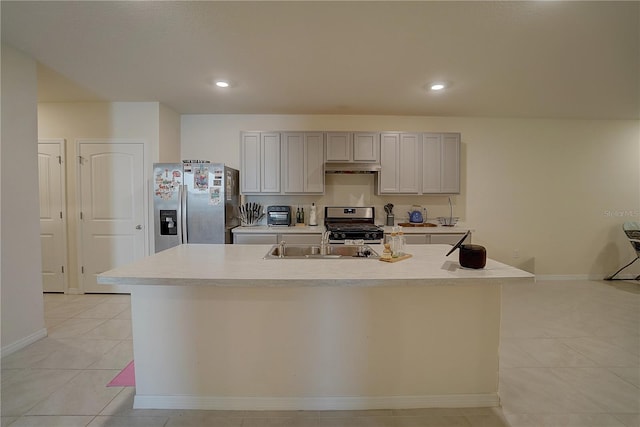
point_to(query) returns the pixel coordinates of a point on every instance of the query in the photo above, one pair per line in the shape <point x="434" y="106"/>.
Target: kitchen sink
<point x="314" y="252"/>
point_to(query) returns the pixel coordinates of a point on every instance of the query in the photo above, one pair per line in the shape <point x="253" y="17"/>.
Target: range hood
<point x="351" y="167"/>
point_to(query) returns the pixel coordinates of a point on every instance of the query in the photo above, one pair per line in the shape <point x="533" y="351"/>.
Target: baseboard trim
<point x="315" y="403"/>
<point x="560" y="277"/>
<point x="545" y="277"/>
<point x="22" y="343"/>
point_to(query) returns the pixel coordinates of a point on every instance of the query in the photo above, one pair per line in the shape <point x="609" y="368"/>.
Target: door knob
<point x="139" y="227"/>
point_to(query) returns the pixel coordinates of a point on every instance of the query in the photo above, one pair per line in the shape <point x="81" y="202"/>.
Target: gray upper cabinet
<point x="260" y="162"/>
<point x="347" y="147"/>
<point x="302" y="162"/>
<point x="400" y="163"/>
<point x="441" y="163"/>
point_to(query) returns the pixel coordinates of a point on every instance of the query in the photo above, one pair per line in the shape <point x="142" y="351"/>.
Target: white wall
<point x="21" y="280"/>
<point x="556" y="192"/>
<point x="96" y="120"/>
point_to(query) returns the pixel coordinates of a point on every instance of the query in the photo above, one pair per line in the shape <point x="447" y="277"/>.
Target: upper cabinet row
<point x="419" y="163"/>
<point x="293" y="162"/>
<point x="282" y="162"/>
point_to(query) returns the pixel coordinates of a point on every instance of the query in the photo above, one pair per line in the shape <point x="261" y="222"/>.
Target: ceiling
<point x="553" y="59"/>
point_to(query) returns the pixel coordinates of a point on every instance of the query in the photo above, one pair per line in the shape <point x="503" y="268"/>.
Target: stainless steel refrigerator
<point x="194" y="202"/>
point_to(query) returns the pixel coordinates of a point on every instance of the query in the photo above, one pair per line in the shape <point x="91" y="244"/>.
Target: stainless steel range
<point x="352" y="223"/>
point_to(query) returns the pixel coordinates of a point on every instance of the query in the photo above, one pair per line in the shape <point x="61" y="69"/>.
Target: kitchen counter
<point x="264" y="229"/>
<point x="319" y="229"/>
<point x="244" y="265"/>
<point x="219" y="327"/>
<point x="459" y="228"/>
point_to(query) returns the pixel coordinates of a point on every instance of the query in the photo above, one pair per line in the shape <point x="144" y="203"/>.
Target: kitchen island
<point x="219" y="327"/>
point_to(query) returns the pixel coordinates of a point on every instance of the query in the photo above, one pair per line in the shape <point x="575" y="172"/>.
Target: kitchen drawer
<point x="446" y="239"/>
<point x="416" y="239"/>
<point x="300" y="239"/>
<point x="255" y="239"/>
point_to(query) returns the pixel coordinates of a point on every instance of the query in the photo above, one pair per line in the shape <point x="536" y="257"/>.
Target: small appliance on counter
<point x="279" y="216"/>
<point x="471" y="256"/>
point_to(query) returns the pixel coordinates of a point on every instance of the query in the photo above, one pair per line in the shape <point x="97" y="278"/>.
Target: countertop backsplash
<point x="360" y="190"/>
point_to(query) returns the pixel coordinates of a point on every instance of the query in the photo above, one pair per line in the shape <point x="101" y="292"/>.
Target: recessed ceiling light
<point x="437" y="86"/>
<point x="222" y="83"/>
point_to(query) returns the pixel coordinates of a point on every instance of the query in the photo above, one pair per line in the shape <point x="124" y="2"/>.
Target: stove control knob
<point x="343" y="235"/>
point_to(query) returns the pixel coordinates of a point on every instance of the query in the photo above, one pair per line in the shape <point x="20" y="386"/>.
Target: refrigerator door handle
<point x="183" y="215"/>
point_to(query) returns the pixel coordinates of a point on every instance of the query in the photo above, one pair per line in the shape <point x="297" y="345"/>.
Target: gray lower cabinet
<point x="255" y="239"/>
<point x="273" y="238"/>
<point x="434" y="239"/>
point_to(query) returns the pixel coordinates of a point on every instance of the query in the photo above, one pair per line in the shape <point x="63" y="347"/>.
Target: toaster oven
<point x="279" y="216"/>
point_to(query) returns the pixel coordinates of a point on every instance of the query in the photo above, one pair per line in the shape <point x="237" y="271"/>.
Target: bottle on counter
<point x="302" y="216"/>
<point x="298" y="215"/>
<point x="402" y="242"/>
<point x="313" y="217"/>
<point x="394" y="242"/>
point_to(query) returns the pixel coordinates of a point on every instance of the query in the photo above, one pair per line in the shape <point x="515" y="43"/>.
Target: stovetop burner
<point x="352" y="223"/>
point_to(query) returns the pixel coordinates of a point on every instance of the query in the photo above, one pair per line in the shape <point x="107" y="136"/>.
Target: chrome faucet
<point x="281" y="246"/>
<point x="324" y="243"/>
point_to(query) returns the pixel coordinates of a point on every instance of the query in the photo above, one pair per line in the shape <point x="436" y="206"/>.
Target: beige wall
<point x="554" y="193"/>
<point x="21" y="280"/>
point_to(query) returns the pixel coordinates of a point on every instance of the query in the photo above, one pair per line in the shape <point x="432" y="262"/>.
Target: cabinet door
<point x="388" y="177"/>
<point x="409" y="163"/>
<point x="431" y="163"/>
<point x="250" y="162"/>
<point x="255" y="239"/>
<point x="300" y="239"/>
<point x="293" y="163"/>
<point x="450" y="163"/>
<point x="416" y="239"/>
<point x="446" y="239"/>
<point x="314" y="162"/>
<point x="338" y="147"/>
<point x="441" y="163"/>
<point x="270" y="163"/>
<point x="366" y="147"/>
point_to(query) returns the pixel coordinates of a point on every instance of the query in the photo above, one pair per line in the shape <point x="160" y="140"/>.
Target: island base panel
<point x="316" y="348"/>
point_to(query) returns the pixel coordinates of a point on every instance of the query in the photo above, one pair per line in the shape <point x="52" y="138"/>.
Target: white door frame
<point x="78" y="189"/>
<point x="63" y="205"/>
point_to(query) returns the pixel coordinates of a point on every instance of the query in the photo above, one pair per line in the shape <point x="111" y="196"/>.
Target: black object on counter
<point x="471" y="256"/>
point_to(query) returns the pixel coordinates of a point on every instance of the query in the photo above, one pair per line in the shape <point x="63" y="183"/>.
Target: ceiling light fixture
<point x="437" y="86"/>
<point x="222" y="83"/>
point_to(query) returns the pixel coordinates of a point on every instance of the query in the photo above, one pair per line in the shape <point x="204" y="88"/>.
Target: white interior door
<point x="52" y="215"/>
<point x="112" y="209"/>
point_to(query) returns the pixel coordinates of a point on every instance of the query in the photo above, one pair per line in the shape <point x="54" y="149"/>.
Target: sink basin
<point x="313" y="252"/>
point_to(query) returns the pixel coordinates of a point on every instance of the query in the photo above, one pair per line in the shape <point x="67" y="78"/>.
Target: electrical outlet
<point x="516" y="253"/>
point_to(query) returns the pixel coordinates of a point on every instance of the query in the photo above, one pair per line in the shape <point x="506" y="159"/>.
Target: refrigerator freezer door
<point x="167" y="182"/>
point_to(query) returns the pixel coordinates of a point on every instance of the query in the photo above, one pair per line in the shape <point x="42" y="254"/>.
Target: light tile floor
<point x="570" y="356"/>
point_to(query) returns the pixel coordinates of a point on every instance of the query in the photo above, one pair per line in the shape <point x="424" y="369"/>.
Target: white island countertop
<point x="245" y="266"/>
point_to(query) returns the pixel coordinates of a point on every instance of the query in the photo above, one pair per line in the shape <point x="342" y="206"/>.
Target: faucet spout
<point x="324" y="243"/>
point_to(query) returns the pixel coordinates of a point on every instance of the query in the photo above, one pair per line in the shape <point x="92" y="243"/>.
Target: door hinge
<point x="62" y="268"/>
<point x="81" y="160"/>
<point x="59" y="160"/>
<point x="82" y="269"/>
<point x="60" y="214"/>
<point x="80" y="214"/>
